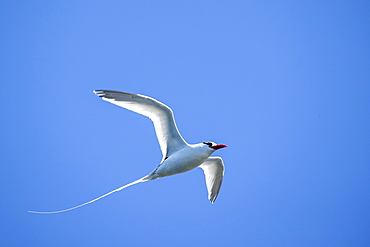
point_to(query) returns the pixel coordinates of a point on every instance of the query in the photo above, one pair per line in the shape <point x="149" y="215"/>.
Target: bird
<point x="178" y="155"/>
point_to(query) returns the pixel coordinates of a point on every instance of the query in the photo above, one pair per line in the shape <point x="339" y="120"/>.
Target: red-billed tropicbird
<point x="178" y="156"/>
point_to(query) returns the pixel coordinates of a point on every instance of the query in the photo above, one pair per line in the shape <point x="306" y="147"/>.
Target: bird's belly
<point x="175" y="166"/>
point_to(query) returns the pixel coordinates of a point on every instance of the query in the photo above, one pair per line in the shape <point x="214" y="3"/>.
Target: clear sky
<point x="285" y="84"/>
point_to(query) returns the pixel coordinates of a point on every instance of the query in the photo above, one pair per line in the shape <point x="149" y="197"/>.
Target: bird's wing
<point x="213" y="169"/>
<point x="167" y="133"/>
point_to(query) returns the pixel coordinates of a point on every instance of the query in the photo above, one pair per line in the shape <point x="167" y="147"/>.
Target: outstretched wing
<point x="213" y="169"/>
<point x="167" y="133"/>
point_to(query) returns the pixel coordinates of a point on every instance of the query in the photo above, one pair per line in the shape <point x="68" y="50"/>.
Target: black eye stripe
<point x="208" y="143"/>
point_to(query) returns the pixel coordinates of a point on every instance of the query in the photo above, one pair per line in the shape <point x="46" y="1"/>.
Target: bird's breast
<point x="181" y="161"/>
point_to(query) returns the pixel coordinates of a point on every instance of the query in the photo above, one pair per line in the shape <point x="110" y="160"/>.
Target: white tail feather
<point x="94" y="200"/>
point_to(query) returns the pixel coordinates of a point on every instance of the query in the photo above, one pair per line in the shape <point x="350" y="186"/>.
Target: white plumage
<point x="178" y="156"/>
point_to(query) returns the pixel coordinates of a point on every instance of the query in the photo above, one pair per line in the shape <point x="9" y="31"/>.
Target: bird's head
<point x="214" y="146"/>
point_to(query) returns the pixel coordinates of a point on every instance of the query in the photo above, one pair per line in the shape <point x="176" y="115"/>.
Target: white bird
<point x="178" y="156"/>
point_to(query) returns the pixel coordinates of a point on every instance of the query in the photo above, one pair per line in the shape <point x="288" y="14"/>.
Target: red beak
<point x="218" y="146"/>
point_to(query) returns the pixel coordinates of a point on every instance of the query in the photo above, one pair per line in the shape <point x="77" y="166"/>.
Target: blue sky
<point x="285" y="84"/>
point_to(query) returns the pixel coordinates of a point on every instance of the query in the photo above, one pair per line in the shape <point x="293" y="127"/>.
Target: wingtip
<point x="99" y="93"/>
<point x="213" y="199"/>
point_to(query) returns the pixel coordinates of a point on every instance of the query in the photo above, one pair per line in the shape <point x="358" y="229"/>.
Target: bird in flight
<point x="178" y="155"/>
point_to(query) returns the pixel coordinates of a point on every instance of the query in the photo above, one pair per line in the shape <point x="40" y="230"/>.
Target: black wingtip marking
<point x="99" y="93"/>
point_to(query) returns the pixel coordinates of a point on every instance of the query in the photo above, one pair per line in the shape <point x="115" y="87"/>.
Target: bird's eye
<point x="208" y="143"/>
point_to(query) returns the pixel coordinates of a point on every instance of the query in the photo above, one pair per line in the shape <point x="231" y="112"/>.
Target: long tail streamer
<point x="94" y="200"/>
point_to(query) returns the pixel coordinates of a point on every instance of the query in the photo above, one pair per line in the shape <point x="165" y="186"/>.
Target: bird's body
<point x="178" y="156"/>
<point x="186" y="159"/>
